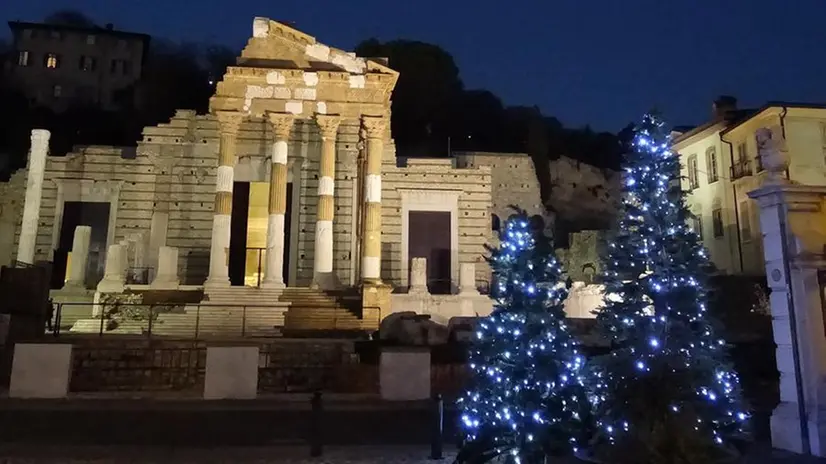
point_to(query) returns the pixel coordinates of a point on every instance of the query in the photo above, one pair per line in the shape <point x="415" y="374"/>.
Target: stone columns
<point x="166" y="277"/>
<point x="229" y="123"/>
<point x="80" y="258"/>
<point x="113" y="277"/>
<point x="282" y="124"/>
<point x="794" y="254"/>
<point x="323" y="264"/>
<point x="371" y="249"/>
<point x="34" y="192"/>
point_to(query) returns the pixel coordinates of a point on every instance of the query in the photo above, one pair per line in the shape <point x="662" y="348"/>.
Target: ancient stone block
<point x="41" y="370"/>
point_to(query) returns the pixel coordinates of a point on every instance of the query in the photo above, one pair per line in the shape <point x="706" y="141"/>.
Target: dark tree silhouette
<point x="69" y="17"/>
<point x="428" y="84"/>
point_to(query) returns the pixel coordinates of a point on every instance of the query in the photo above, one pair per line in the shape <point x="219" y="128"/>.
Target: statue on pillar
<point x="773" y="153"/>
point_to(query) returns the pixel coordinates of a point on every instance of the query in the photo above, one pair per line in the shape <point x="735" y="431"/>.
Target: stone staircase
<point x="313" y="312"/>
<point x="234" y="312"/>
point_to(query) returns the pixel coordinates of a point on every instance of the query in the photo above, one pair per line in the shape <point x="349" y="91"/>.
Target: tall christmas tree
<point x="527" y="396"/>
<point x="665" y="394"/>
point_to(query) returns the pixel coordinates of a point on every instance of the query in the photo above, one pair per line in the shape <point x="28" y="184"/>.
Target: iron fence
<point x="184" y="320"/>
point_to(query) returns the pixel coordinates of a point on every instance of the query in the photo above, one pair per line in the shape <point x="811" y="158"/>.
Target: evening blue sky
<point x="598" y="62"/>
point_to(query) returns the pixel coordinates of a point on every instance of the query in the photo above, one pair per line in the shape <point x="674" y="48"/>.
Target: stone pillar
<point x="467" y="279"/>
<point x="80" y="258"/>
<point x="794" y="254"/>
<point x="371" y="249"/>
<point x="323" y="264"/>
<point x="34" y="192"/>
<point x="166" y="277"/>
<point x="418" y="276"/>
<point x="228" y="124"/>
<point x="282" y="124"/>
<point x="113" y="277"/>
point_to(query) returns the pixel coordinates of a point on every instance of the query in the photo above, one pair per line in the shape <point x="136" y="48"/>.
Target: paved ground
<point x="360" y="430"/>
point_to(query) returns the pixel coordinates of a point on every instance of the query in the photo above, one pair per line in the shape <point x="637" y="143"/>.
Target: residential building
<point x="720" y="165"/>
<point x="58" y="66"/>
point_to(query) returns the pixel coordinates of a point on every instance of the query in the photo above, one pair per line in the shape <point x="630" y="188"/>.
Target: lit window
<point x="91" y="39"/>
<point x="57" y="91"/>
<point x="52" y="61"/>
<point x="23" y="58"/>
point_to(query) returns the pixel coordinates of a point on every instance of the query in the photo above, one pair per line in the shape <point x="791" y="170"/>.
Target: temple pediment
<point x="279" y="46"/>
<point x="282" y="69"/>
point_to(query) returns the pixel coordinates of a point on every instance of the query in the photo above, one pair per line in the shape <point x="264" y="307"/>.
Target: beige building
<point x="720" y="166"/>
<point x="57" y="66"/>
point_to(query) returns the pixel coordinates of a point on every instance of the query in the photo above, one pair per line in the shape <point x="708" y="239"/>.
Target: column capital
<point x="328" y="123"/>
<point x="40" y="135"/>
<point x="282" y="124"/>
<point x="229" y="122"/>
<point x="374" y="126"/>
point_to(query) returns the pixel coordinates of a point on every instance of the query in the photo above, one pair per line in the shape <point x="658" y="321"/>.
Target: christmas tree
<point x="665" y="393"/>
<point x="527" y="396"/>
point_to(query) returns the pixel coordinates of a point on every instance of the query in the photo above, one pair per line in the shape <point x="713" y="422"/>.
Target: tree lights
<point x="527" y="395"/>
<point x="665" y="393"/>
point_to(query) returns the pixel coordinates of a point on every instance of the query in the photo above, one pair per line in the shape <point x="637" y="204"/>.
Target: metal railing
<point x="741" y="168"/>
<point x="188" y="321"/>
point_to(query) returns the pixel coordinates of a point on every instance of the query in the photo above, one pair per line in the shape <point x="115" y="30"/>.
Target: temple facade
<point x="287" y="196"/>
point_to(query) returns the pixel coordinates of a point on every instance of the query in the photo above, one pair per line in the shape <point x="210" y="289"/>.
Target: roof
<point x="772" y="104"/>
<point x="732" y="117"/>
<point x="16" y="25"/>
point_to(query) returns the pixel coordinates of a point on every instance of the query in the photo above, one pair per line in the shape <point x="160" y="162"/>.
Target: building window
<point x="55" y="35"/>
<point x="697" y="225"/>
<point x="91" y="39"/>
<point x="57" y="91"/>
<point x="745" y="223"/>
<point x="741" y="166"/>
<point x="693" y="180"/>
<point x="711" y="161"/>
<point x="119" y="66"/>
<point x="52" y="61"/>
<point x="757" y="158"/>
<point x="495" y="224"/>
<point x="23" y="58"/>
<point x="28" y="34"/>
<point x="717" y="222"/>
<point x="88" y="63"/>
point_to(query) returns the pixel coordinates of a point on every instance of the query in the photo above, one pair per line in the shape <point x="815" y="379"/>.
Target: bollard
<point x="437" y="437"/>
<point x="316" y="442"/>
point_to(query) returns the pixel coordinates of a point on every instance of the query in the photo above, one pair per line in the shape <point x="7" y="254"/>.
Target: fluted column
<point x="282" y="124"/>
<point x="34" y="193"/>
<point x="323" y="264"/>
<point x="229" y="123"/>
<point x="371" y="248"/>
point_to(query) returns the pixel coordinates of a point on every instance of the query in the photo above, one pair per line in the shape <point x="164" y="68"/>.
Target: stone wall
<point x="12" y="198"/>
<point x="440" y="185"/>
<point x="513" y="181"/>
<point x="585" y="196"/>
